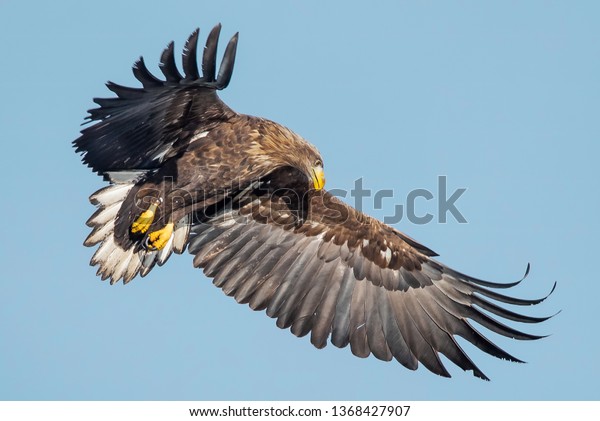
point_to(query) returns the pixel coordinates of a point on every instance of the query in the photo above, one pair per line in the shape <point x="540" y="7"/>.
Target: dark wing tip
<point x="167" y="64"/>
<point x="141" y="73"/>
<point x="488" y="284"/>
<point x="551" y="291"/>
<point x="226" y="68"/>
<point x="190" y="64"/>
<point x="539" y="300"/>
<point x="209" y="57"/>
<point x="480" y="375"/>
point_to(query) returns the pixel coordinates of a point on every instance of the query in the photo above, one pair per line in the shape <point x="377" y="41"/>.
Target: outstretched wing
<point x="142" y="127"/>
<point x="344" y="275"/>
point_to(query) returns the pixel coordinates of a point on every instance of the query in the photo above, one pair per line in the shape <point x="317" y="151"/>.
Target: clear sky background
<point x="501" y="97"/>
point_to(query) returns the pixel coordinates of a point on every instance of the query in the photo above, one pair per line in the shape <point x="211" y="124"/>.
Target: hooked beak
<point x="318" y="178"/>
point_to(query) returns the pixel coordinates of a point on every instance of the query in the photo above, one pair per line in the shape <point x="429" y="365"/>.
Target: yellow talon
<point x="143" y="222"/>
<point x="158" y="239"/>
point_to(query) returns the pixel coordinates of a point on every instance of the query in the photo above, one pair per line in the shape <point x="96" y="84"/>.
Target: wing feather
<point x="359" y="344"/>
<point x="189" y="59"/>
<point x="209" y="58"/>
<point x="325" y="312"/>
<point x="167" y="64"/>
<point x="340" y="330"/>
<point x="297" y="308"/>
<point x="398" y="346"/>
<point x="294" y="269"/>
<point x="141" y="73"/>
<point x="374" y="323"/>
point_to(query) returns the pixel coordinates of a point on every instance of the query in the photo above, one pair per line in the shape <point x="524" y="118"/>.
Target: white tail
<point x="114" y="261"/>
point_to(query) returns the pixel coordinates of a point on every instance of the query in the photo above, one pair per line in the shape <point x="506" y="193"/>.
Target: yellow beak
<point x="318" y="178"/>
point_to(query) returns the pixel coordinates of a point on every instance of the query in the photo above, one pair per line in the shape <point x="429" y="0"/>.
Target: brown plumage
<point x="245" y="196"/>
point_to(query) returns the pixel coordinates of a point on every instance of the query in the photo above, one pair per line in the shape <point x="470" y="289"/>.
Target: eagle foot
<point x="142" y="224"/>
<point x="157" y="240"/>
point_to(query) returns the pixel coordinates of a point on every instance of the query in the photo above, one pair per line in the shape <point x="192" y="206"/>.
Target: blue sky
<point x="500" y="97"/>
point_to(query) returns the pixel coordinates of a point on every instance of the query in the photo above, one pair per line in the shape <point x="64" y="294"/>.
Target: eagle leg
<point x="143" y="222"/>
<point x="157" y="240"/>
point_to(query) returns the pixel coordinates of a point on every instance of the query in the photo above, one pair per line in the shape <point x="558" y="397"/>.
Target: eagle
<point x="246" y="197"/>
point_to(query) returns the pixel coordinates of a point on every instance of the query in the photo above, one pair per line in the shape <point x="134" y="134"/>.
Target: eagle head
<point x="277" y="146"/>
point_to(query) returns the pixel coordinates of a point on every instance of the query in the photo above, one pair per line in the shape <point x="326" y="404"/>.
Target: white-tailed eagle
<point x="245" y="196"/>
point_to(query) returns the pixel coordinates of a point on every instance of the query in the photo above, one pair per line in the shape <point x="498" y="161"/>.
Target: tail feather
<point x="99" y="233"/>
<point x="122" y="264"/>
<point x="182" y="232"/>
<point x="104" y="215"/>
<point x="148" y="262"/>
<point x="132" y="268"/>
<point x="104" y="251"/>
<point x="111" y="194"/>
<point x="165" y="252"/>
<point x="116" y="261"/>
